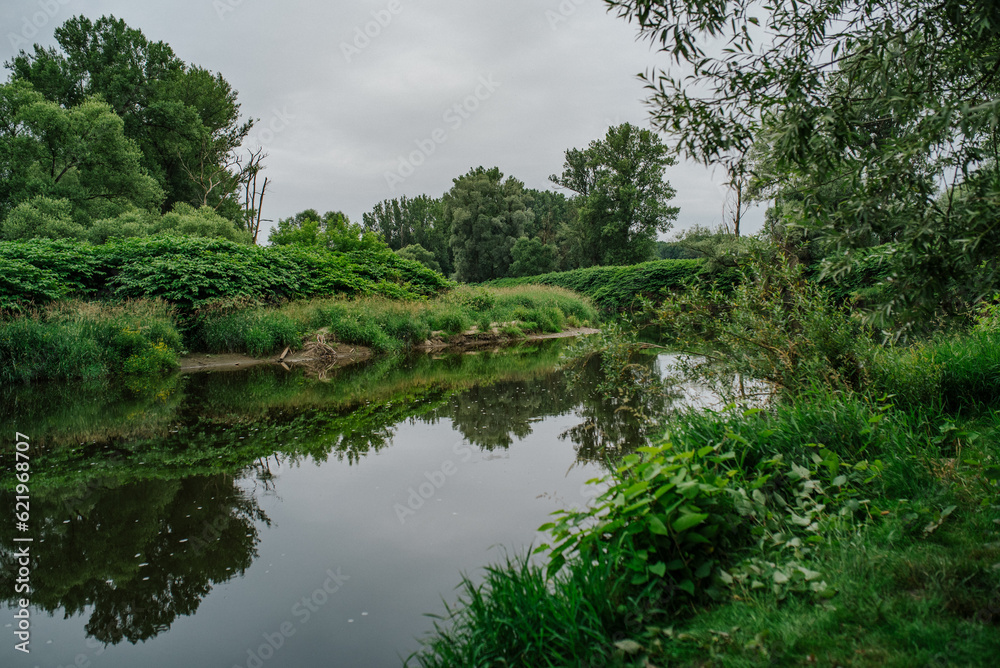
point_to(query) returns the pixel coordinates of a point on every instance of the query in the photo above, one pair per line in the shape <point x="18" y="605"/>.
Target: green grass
<point x="864" y="531"/>
<point x="518" y="617"/>
<point x="387" y="325"/>
<point x="89" y="340"/>
<point x="618" y="288"/>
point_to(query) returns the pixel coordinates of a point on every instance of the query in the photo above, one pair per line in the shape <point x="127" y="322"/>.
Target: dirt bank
<point x="343" y="355"/>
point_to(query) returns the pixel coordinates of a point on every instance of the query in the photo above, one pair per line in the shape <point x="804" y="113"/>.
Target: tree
<point x="78" y="154"/>
<point x="532" y="257"/>
<point x="623" y="196"/>
<point x="407" y="221"/>
<point x="418" y="253"/>
<point x="486" y="214"/>
<point x="333" y="231"/>
<point x="185" y="119"/>
<point x="552" y="210"/>
<point x="896" y="103"/>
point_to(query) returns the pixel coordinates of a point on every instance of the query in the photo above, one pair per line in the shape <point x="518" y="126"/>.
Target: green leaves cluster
<point x="486" y="214"/>
<point x="872" y="121"/>
<point x="775" y="330"/>
<point x="191" y="272"/>
<point x="623" y="195"/>
<point x="182" y="121"/>
<point x="620" y="288"/>
<point x="332" y="231"/>
<point x="665" y="515"/>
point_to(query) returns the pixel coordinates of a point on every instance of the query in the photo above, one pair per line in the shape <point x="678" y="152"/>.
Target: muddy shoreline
<point x="343" y="355"/>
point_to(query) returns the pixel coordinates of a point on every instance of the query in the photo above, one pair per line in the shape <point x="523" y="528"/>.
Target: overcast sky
<point x="367" y="100"/>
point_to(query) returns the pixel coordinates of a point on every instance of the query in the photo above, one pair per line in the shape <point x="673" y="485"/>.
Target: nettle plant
<point x="667" y="515"/>
<point x="706" y="519"/>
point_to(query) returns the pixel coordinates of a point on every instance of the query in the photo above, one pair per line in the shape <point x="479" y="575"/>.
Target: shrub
<point x="80" y="340"/>
<point x="619" y="288"/>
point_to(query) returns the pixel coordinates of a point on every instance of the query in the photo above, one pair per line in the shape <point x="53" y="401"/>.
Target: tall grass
<point x="386" y="325"/>
<point x="74" y="339"/>
<point x="518" y="617"/>
<point x="863" y="532"/>
<point x="953" y="374"/>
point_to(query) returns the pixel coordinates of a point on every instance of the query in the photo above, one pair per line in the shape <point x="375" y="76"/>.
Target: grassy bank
<point x="74" y="339"/>
<point x="836" y="527"/>
<point x="389" y="325"/>
<point x="618" y="288"/>
<point x="77" y="339"/>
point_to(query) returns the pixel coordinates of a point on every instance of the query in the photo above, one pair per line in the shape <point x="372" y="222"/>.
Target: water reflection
<point x="136" y="555"/>
<point x="146" y="497"/>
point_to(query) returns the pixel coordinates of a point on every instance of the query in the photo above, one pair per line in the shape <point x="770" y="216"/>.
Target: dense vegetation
<point x="79" y="339"/>
<point x="191" y="272"/>
<point x="842" y="509"/>
<point x="623" y="288"/>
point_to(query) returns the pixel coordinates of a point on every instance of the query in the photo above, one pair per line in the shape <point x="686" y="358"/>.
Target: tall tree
<point x="408" y="221"/>
<point x="623" y="195"/>
<point x="895" y="103"/>
<point x="185" y="119"/>
<point x="487" y="215"/>
<point x="78" y="154"/>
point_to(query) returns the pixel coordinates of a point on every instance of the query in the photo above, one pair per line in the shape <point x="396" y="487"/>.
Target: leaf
<point x="659" y="569"/>
<point x="688" y="521"/>
<point x="657" y="526"/>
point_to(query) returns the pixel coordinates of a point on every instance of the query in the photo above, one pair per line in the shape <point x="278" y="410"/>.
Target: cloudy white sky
<point x="357" y="100"/>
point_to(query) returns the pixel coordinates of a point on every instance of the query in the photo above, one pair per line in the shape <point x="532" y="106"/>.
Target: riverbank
<point x="80" y="339"/>
<point x="836" y="528"/>
<point x="347" y="354"/>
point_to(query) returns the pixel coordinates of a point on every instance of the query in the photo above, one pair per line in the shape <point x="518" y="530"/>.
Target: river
<point x="274" y="518"/>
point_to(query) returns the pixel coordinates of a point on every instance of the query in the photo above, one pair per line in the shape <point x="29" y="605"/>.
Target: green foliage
<point x="666" y="516"/>
<point x="416" y="221"/>
<point x="79" y="340"/>
<point x="486" y="215"/>
<point x="515" y="618"/>
<point x="880" y="121"/>
<point x="254" y="331"/>
<point x="42" y="269"/>
<point x="620" y="288"/>
<point x="42" y="217"/>
<point x="22" y="283"/>
<point x="182" y="120"/>
<point x="389" y="325"/>
<point x="531" y="257"/>
<point x="958" y="373"/>
<point x="191" y="272"/>
<point x="78" y="153"/>
<point x="418" y="253"/>
<point x="332" y="231"/>
<point x="623" y="197"/>
<point x="774" y="328"/>
<point x="185" y="220"/>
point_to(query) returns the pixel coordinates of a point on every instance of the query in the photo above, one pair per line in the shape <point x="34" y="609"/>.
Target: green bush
<point x="80" y="340"/>
<point x="192" y="272"/>
<point x="619" y="288"/>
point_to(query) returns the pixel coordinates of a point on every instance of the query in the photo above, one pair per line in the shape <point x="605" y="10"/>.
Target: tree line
<point x="110" y="135"/>
<point x="490" y="226"/>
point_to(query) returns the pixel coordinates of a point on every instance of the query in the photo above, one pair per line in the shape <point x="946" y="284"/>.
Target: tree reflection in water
<point x="138" y="549"/>
<point x="140" y="554"/>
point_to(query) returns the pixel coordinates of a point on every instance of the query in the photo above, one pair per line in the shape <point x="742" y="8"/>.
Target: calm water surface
<point x="288" y="519"/>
